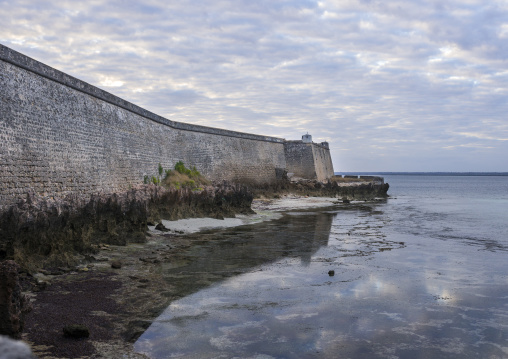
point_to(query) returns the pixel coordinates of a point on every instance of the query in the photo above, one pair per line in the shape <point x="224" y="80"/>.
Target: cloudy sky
<point x="393" y="85"/>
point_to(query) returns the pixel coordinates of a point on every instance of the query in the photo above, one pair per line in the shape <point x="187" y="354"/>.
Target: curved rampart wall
<point x="60" y="135"/>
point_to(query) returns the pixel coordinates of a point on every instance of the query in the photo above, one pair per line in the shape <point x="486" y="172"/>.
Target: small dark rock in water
<point x="76" y="331"/>
<point x="116" y="264"/>
<point x="331" y="273"/>
<point x="161" y="227"/>
<point x="345" y="200"/>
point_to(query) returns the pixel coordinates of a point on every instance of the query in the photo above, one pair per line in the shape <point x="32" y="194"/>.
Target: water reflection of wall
<point x="217" y="255"/>
<point x="322" y="227"/>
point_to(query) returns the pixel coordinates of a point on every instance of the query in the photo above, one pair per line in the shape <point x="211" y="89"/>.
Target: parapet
<point x="22" y="61"/>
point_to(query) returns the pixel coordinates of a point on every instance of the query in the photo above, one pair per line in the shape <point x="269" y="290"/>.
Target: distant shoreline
<point x="424" y="173"/>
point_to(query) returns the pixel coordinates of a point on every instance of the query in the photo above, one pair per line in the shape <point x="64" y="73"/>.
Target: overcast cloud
<point x="416" y="85"/>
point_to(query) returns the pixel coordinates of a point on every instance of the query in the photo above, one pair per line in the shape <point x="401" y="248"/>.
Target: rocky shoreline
<point x="47" y="232"/>
<point x="346" y="188"/>
<point x="102" y="264"/>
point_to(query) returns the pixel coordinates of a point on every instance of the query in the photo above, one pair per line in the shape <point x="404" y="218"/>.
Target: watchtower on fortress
<point x="307" y="138"/>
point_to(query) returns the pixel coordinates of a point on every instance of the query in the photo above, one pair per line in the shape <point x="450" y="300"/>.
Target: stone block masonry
<point x="308" y="160"/>
<point x="60" y="136"/>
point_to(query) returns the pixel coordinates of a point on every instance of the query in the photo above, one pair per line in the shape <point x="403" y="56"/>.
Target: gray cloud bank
<point x="392" y="85"/>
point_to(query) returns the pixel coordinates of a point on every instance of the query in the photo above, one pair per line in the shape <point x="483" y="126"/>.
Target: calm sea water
<point x="422" y="275"/>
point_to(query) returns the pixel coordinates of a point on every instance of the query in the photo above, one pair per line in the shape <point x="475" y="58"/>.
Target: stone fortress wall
<point x="60" y="135"/>
<point x="309" y="160"/>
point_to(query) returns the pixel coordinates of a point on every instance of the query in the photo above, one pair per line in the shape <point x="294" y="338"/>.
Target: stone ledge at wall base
<point x="360" y="190"/>
<point x="360" y="178"/>
<point x="40" y="232"/>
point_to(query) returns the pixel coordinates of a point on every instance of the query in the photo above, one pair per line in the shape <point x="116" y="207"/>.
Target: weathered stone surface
<point x="308" y="160"/>
<point x="13" y="304"/>
<point x="61" y="136"/>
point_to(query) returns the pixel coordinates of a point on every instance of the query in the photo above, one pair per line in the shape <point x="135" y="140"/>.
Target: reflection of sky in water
<point x="394" y="295"/>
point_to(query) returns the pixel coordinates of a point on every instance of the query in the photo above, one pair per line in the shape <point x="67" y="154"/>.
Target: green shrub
<point x="180" y="168"/>
<point x="180" y="177"/>
<point x="156" y="180"/>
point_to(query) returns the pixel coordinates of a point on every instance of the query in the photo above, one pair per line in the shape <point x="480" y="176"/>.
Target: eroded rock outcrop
<point x="42" y="231"/>
<point x="13" y="304"/>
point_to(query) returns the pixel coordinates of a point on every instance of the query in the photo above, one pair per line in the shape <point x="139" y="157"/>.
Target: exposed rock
<point x="116" y="264"/>
<point x="331" y="273"/>
<point x="362" y="189"/>
<point x="150" y="259"/>
<point x="13" y="304"/>
<point x="51" y="232"/>
<point x="14" y="349"/>
<point x="76" y="331"/>
<point x="161" y="227"/>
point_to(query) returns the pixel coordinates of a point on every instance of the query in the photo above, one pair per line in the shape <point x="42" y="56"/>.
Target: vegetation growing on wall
<point x="179" y="177"/>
